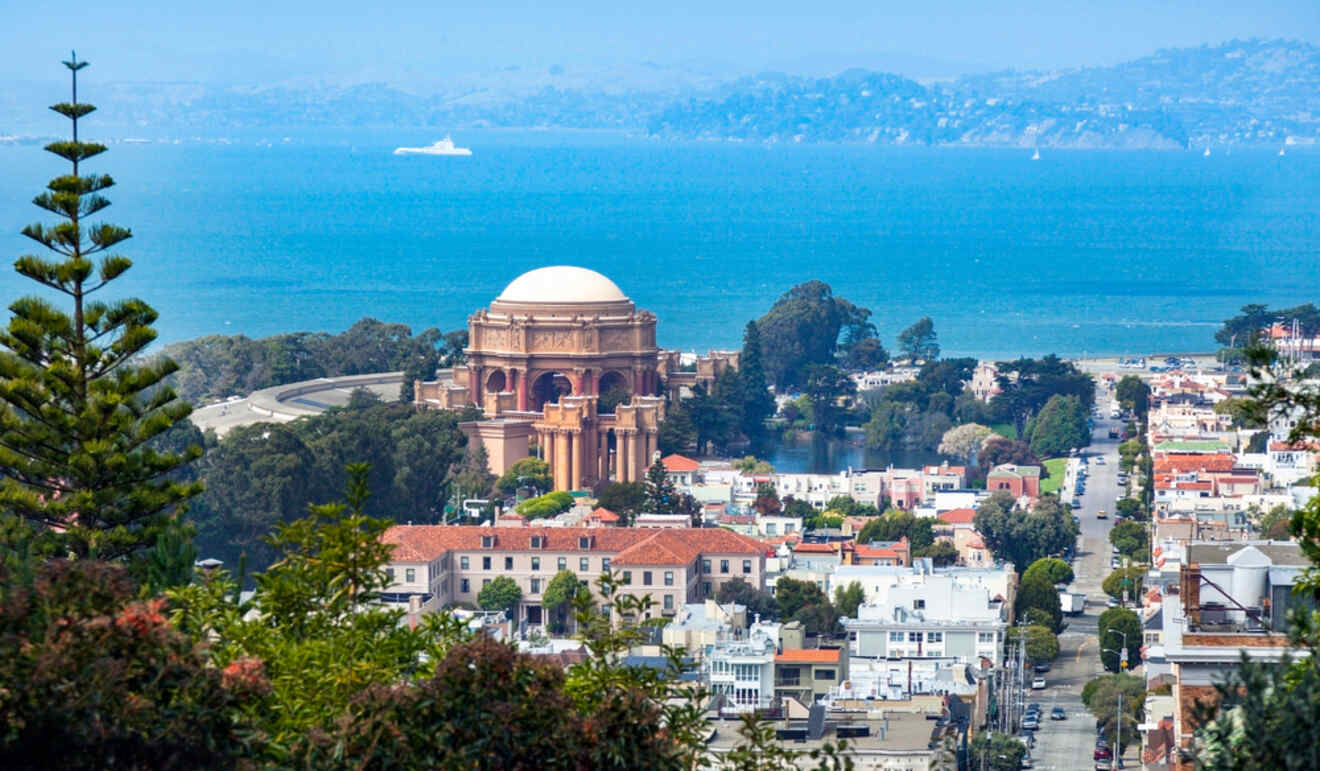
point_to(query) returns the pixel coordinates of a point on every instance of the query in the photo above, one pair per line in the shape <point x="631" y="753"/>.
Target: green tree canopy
<point x="559" y="596"/>
<point x="1026" y="385"/>
<point x="827" y="389"/>
<point x="623" y="498"/>
<point x="801" y="329"/>
<point x="1036" y="591"/>
<point x="1053" y="569"/>
<point x="661" y="497"/>
<point x="1130" y="538"/>
<point x="1101" y="698"/>
<point x="848" y="598"/>
<point x="1129" y="579"/>
<point x="1042" y="643"/>
<point x="552" y="504"/>
<point x="757" y="601"/>
<point x="502" y="593"/>
<point x="918" y="342"/>
<point x="805" y="602"/>
<point x="1110" y="624"/>
<point x="79" y="406"/>
<point x="995" y="752"/>
<point x="1059" y="427"/>
<point x="526" y="472"/>
<point x="1022" y="537"/>
<point x="758" y="403"/>
<point x="1133" y="393"/>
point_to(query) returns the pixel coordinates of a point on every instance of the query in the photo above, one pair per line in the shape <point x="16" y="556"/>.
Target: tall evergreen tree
<point x="77" y="412"/>
<point x="758" y="404"/>
<point x="661" y="495"/>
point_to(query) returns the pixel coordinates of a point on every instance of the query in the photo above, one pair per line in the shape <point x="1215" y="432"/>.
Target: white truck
<point x="1072" y="603"/>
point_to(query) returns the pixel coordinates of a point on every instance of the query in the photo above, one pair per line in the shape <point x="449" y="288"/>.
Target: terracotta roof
<point x="604" y="515"/>
<point x="423" y="543"/>
<point x="816" y="548"/>
<point x="1174" y="462"/>
<point x="809" y="656"/>
<point x="679" y="463"/>
<point x="864" y="551"/>
<point x="958" y="516"/>
<point x="960" y="470"/>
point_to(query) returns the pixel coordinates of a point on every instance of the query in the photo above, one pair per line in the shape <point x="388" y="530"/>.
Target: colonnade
<point x="579" y="456"/>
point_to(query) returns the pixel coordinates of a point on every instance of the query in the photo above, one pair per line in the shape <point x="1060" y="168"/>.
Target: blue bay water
<point x="1080" y="252"/>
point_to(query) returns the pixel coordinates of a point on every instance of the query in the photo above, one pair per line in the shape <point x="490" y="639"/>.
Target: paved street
<point x="1069" y="744"/>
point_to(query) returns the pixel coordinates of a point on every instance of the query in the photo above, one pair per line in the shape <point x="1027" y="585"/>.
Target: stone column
<point x="520" y="387"/>
<point x="602" y="456"/>
<point x="474" y="385"/>
<point x="575" y="442"/>
<point x="623" y="458"/>
<point x="564" y="458"/>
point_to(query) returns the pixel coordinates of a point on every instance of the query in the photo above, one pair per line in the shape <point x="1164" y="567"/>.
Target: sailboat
<point x="1280" y="151"/>
<point x="1206" y="154"/>
<point x="1036" y="156"/>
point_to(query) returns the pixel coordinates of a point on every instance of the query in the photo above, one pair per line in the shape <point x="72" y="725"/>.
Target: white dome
<point x="561" y="284"/>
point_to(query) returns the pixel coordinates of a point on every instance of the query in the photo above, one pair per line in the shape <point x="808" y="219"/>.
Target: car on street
<point x="1030" y="723"/>
<point x="1101" y="514"/>
<point x="1100" y="461"/>
<point x="1038" y="684"/>
<point x="1042" y="667"/>
<point x="1102" y="753"/>
<point x="1028" y="738"/>
<point x="1026" y="761"/>
<point x="1058" y="714"/>
<point x="1113" y="562"/>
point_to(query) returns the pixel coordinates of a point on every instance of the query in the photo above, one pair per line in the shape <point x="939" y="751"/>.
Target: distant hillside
<point x="1243" y="92"/>
<point x="1250" y="92"/>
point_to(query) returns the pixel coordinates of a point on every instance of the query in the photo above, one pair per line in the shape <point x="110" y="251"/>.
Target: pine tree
<point x="661" y="495"/>
<point x="758" y="404"/>
<point x="77" y="412"/>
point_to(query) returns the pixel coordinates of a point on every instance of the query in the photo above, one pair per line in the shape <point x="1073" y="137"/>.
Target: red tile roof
<point x="671" y="546"/>
<point x="958" y="516"/>
<point x="809" y="656"/>
<point x="678" y="463"/>
<point x="816" y="548"/>
<point x="1174" y="462"/>
<point x="603" y="514"/>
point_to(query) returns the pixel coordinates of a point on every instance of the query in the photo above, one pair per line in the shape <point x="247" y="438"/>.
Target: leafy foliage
<point x="1052" y="569"/>
<point x="963" y="442"/>
<point x="1026" y="385"/>
<point x="529" y="472"/>
<point x="1060" y="426"/>
<point x="1036" y="592"/>
<point x="1022" y="537"/>
<point x="848" y="598"/>
<point x="623" y="498"/>
<point x="1133" y="393"/>
<point x="1111" y="623"/>
<point x="801" y="329"/>
<point x="1124" y="579"/>
<point x="758" y="404"/>
<point x="1130" y="538"/>
<point x="918" y="342"/>
<point x="757" y="601"/>
<point x="805" y="602"/>
<point x="996" y="751"/>
<point x="1101" y="697"/>
<point x="78" y="408"/>
<point x="502" y="593"/>
<point x="1042" y="643"/>
<point x="545" y="506"/>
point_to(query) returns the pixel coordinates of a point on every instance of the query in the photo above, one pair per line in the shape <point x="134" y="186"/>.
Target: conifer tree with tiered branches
<point x="78" y="406"/>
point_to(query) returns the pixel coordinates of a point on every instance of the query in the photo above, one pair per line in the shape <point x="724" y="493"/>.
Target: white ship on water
<point x="443" y="147"/>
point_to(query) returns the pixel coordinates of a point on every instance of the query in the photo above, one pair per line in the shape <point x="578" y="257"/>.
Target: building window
<point x="389" y="573"/>
<point x="895" y="637"/>
<point x="463" y="586"/>
<point x="584" y="542"/>
<point x="536" y="586"/>
<point x="537" y="541"/>
<point x="825" y="674"/>
<point x="934" y="637"/>
<point x="914" y="637"/>
<point x="563" y="563"/>
<point x="410" y="575"/>
<point x="463" y="562"/>
<point x="646" y="578"/>
<point x="669" y="602"/>
<point x="747" y="567"/>
<point x="485" y="563"/>
<point x="627" y="577"/>
<point x="918" y="604"/>
<point x="485" y="582"/>
<point x="705" y="588"/>
<point x="985" y="637"/>
<point x="669" y="578"/>
<point x="584" y="564"/>
<point x="605" y="564"/>
<point x="705" y="566"/>
<point x="508" y="563"/>
<point x="536" y="564"/>
<point x="724" y="566"/>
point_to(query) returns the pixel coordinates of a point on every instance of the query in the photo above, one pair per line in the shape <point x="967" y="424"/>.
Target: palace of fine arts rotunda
<point x="564" y="359"/>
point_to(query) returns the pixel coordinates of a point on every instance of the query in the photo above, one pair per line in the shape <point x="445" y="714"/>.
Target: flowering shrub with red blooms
<point x="90" y="677"/>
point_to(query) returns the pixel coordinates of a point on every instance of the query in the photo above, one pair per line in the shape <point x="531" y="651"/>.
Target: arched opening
<point x="548" y="387"/>
<point x="496" y="383"/>
<point x="613" y="391"/>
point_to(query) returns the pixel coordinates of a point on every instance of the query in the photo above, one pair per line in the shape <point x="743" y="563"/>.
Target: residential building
<point x="809" y="674"/>
<point x="447" y="564"/>
<point x="700" y="625"/>
<point x="741" y="673"/>
<point x="680" y="470"/>
<point x="1019" y="481"/>
<point x="937" y="620"/>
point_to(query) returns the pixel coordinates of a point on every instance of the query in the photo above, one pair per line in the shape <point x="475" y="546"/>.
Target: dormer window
<point x="584" y="542"/>
<point x="488" y="542"/>
<point x="538" y="542"/>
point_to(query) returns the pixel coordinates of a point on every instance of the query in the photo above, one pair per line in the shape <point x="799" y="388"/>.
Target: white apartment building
<point x="743" y="671"/>
<point x="931" y="620"/>
<point x="879" y="580"/>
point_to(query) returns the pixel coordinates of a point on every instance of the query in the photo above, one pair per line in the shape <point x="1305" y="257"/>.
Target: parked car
<point x="1026" y="761"/>
<point x="1114" y="562"/>
<point x="1041" y="667"/>
<point x="1030" y="723"/>
<point x="1038" y="684"/>
<point x="1099" y="461"/>
<point x="1101" y="514"/>
<point x="1028" y="738"/>
<point x="1103" y="753"/>
<point x="1058" y="714"/>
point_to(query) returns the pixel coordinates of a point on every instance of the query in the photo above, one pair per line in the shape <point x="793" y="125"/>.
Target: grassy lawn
<point x="1004" y="429"/>
<point x="1056" y="468"/>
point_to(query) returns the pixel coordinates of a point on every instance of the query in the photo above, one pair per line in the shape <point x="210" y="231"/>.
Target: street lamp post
<point x="1118" y="716"/>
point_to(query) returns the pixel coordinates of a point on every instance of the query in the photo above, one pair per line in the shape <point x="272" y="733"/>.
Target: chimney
<point x="1190" y="591"/>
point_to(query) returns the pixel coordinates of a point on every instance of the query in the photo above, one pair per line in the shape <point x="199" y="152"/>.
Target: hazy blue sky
<point x="262" y="41"/>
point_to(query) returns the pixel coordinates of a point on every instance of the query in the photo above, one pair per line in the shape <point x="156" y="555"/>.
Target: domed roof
<point x="561" y="284"/>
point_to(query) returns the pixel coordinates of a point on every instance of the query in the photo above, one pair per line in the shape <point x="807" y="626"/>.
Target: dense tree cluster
<point x="803" y="329"/>
<point x="917" y="414"/>
<point x="1101" y="698"/>
<point x="1021" y="537"/>
<point x="1060" y="426"/>
<point x="218" y="366"/>
<point x="1027" y="385"/>
<point x="265" y="474"/>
